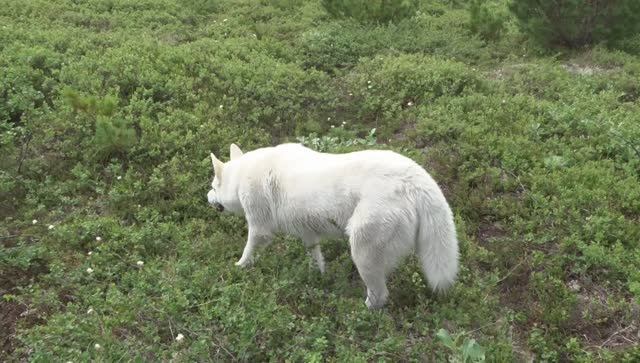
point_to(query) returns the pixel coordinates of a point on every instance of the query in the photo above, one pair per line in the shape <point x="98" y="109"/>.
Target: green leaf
<point x="472" y="351"/>
<point x="445" y="338"/>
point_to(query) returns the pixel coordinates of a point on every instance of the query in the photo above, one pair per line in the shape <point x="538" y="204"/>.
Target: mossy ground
<point x="108" y="112"/>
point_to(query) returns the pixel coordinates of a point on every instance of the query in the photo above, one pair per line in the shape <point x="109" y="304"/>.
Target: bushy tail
<point x="437" y="245"/>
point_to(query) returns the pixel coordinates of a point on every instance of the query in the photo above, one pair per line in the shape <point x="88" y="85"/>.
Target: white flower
<point x="504" y="101"/>
<point x="574" y="285"/>
<point x="350" y="94"/>
<point x="98" y="238"/>
<point x="409" y="103"/>
<point x="119" y="177"/>
<point x="89" y="270"/>
<point x="140" y="263"/>
<point x="97" y="346"/>
<point x="344" y="123"/>
<point x="368" y="82"/>
<point x="34" y="221"/>
<point x="90" y="311"/>
<point x="179" y="337"/>
<point x="328" y="118"/>
<point x="89" y="253"/>
<point x="369" y="86"/>
<point x="51" y="226"/>
<point x="224" y="19"/>
<point x="333" y="126"/>
<point x="221" y="107"/>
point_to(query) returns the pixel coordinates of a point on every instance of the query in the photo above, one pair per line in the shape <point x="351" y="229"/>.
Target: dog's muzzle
<point x="219" y="207"/>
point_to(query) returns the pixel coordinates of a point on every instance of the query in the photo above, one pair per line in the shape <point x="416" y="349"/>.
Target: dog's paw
<point x="243" y="263"/>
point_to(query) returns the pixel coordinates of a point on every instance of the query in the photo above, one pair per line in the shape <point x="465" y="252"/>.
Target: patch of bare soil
<point x="10" y="313"/>
<point x="599" y="322"/>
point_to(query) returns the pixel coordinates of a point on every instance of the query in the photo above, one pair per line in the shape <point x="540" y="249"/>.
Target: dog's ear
<point x="217" y="166"/>
<point x="235" y="151"/>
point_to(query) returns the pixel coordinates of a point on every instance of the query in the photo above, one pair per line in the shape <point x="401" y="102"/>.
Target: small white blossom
<point x="89" y="270"/>
<point x="368" y="82"/>
<point x="89" y="253"/>
<point x="224" y="20"/>
<point x="369" y="86"/>
<point x="35" y="221"/>
<point x="51" y="226"/>
<point x="574" y="285"/>
<point x="98" y="238"/>
<point x="221" y="107"/>
<point x="504" y="101"/>
<point x="344" y="123"/>
<point x="328" y="118"/>
<point x="140" y="263"/>
<point x="409" y="103"/>
<point x="90" y="311"/>
<point x="350" y="94"/>
<point x="333" y="126"/>
<point x="119" y="177"/>
<point x="97" y="346"/>
<point x="179" y="337"/>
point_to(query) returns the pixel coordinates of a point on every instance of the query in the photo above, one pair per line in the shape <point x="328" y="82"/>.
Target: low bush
<point x="575" y="23"/>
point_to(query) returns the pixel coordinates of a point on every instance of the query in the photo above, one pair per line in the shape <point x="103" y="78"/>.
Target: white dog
<point x="386" y="204"/>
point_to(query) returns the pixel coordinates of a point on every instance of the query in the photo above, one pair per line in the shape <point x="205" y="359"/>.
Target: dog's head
<point x="222" y="195"/>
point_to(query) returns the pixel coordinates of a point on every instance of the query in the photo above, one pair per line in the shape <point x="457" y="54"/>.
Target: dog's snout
<point x="219" y="207"/>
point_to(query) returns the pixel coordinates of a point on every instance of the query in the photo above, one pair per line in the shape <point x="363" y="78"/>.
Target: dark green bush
<point x="575" y="23"/>
<point x="381" y="11"/>
<point x="487" y="18"/>
<point x="385" y="86"/>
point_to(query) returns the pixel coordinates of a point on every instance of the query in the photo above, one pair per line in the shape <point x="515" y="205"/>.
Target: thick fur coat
<point x="384" y="203"/>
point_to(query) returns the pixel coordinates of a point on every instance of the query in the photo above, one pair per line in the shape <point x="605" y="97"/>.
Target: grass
<point x="108" y="112"/>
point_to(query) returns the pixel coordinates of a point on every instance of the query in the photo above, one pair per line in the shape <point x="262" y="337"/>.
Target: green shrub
<point x="384" y="87"/>
<point x="113" y="136"/>
<point x="380" y="11"/>
<point x="487" y="18"/>
<point x="575" y="23"/>
<point x="335" y="46"/>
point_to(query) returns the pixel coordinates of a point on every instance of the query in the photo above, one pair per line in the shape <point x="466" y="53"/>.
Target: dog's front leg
<point x="254" y="240"/>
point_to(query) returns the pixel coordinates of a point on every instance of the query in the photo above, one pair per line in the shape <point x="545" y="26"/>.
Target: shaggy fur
<point x="386" y="204"/>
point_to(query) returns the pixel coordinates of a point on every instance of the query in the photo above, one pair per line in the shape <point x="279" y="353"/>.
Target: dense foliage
<point x="578" y="22"/>
<point x="109" y="251"/>
<point x="383" y="11"/>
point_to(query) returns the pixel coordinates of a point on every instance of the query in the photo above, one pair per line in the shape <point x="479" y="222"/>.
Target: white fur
<point x="386" y="204"/>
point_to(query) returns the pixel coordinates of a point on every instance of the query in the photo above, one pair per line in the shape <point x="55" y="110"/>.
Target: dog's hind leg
<point x="371" y="270"/>
<point x="312" y="243"/>
<point x="316" y="253"/>
<point x="378" y="241"/>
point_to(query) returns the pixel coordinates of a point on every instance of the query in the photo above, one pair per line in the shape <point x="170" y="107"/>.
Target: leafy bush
<point x="111" y="252"/>
<point x="381" y="11"/>
<point x="385" y="86"/>
<point x="488" y="18"/>
<point x="467" y="350"/>
<point x="113" y="137"/>
<point x="576" y="23"/>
